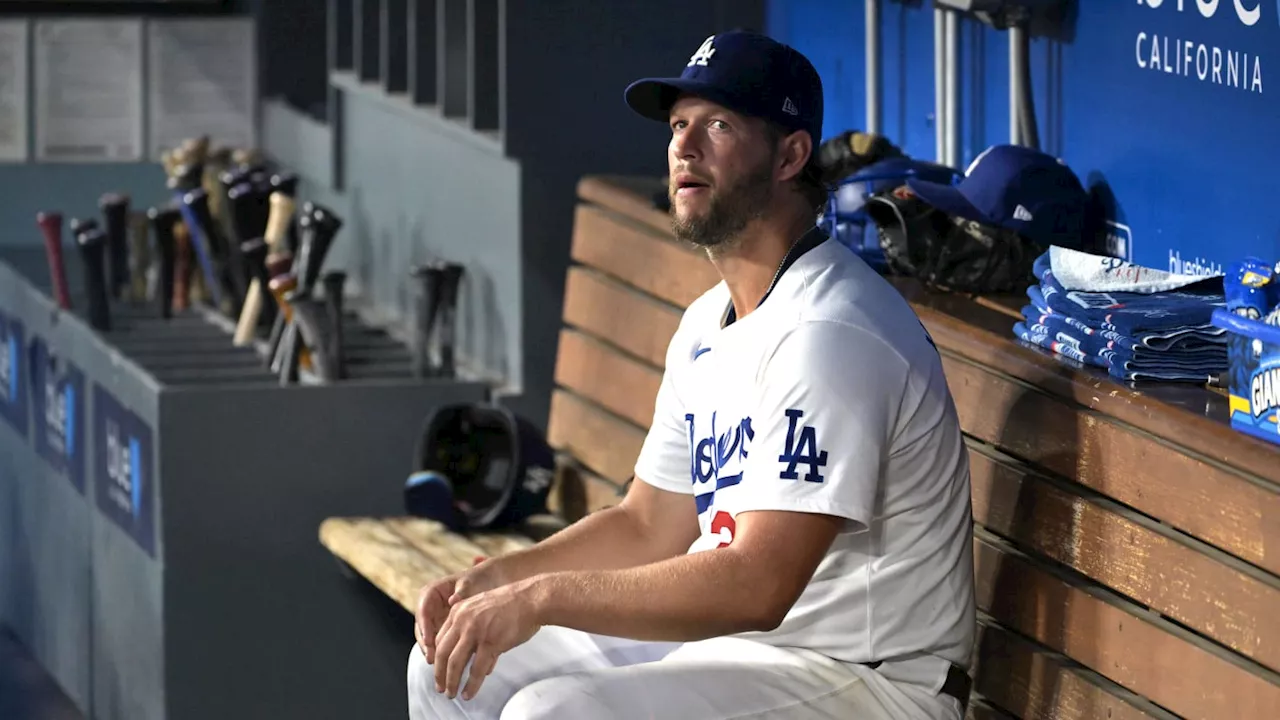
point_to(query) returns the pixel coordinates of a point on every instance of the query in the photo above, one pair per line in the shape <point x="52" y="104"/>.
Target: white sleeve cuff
<point x="817" y="506"/>
<point x="656" y="479"/>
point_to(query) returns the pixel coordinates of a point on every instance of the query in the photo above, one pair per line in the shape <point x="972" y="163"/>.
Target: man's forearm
<point x="605" y="540"/>
<point x="681" y="599"/>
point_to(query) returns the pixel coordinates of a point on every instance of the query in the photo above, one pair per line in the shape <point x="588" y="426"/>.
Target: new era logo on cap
<point x="789" y="107"/>
<point x="1017" y="188"/>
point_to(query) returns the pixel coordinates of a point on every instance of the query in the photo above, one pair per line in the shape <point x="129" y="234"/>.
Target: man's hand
<point x="484" y="626"/>
<point x="435" y="599"/>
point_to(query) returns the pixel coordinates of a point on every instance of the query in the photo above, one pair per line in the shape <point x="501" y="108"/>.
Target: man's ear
<point x="794" y="154"/>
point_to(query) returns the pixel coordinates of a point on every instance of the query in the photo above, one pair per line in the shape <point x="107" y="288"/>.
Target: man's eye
<point x="719" y="125"/>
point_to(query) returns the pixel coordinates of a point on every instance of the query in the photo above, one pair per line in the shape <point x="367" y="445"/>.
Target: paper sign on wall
<point x="201" y="80"/>
<point x="13" y="90"/>
<point x="57" y="400"/>
<point x="124" y="475"/>
<point x="88" y="90"/>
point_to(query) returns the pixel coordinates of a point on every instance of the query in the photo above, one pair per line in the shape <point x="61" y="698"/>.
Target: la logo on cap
<point x="704" y="53"/>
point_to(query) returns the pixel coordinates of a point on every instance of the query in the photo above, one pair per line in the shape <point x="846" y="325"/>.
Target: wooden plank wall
<point x="1127" y="554"/>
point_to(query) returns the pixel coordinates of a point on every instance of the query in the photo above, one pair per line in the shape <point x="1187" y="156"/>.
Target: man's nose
<point x="686" y="145"/>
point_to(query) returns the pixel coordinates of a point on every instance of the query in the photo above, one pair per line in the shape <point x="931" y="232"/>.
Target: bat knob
<point x="113" y="202"/>
<point x="92" y="245"/>
<point x="220" y="156"/>
<point x="334" y="282"/>
<point x="246" y="157"/>
<point x="185" y="177"/>
<point x="285" y="182"/>
<point x="231" y="178"/>
<point x="80" y="226"/>
<point x="326" y="221"/>
<point x="254" y="251"/>
<point x="51" y="221"/>
<point x="241" y="191"/>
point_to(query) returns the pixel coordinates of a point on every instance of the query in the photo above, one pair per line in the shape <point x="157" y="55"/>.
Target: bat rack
<point x="165" y="489"/>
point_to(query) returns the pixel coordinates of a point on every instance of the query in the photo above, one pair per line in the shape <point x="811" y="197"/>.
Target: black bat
<point x="427" y="278"/>
<point x="450" y="283"/>
<point x="139" y="256"/>
<point x="81" y="225"/>
<point x="286" y="183"/>
<point x="233" y="274"/>
<point x="310" y="316"/>
<point x="334" y="283"/>
<point x="319" y="226"/>
<point x="50" y="224"/>
<point x="115" y="216"/>
<point x="163" y="221"/>
<point x="181" y="184"/>
<point x="93" y="247"/>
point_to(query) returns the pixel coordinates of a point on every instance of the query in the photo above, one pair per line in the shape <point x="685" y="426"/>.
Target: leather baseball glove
<point x="949" y="253"/>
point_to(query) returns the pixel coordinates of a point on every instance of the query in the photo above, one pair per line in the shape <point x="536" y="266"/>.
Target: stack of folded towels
<point x="1135" y="322"/>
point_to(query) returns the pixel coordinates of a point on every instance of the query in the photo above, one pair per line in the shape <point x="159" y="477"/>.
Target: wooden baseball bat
<point x="50" y="224"/>
<point x="196" y="150"/>
<point x="219" y="162"/>
<point x="287" y="353"/>
<point x="282" y="211"/>
<point x="255" y="256"/>
<point x="246" y="157"/>
<point x="184" y="274"/>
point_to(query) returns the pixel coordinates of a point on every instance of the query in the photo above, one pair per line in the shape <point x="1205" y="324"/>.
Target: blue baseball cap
<point x="746" y="72"/>
<point x="1017" y="188"/>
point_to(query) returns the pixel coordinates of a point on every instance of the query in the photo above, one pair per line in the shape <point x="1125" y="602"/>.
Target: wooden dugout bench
<point x="1127" y="542"/>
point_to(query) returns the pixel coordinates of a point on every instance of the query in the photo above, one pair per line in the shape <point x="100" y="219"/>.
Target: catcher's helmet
<point x="479" y="466"/>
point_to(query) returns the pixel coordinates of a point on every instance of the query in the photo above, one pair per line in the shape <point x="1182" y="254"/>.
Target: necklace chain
<point x="782" y="266"/>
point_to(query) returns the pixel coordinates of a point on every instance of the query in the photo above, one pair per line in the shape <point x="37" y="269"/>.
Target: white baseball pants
<point x="564" y="674"/>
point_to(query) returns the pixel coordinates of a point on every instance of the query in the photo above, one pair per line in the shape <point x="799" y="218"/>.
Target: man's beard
<point x="728" y="212"/>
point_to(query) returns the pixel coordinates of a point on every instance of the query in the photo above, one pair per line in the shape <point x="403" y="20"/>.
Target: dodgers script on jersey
<point x="829" y="398"/>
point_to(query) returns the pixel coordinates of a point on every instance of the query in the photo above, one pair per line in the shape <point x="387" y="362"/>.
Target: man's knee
<point x="418" y="666"/>
<point x="567" y="696"/>
<point x="421" y="681"/>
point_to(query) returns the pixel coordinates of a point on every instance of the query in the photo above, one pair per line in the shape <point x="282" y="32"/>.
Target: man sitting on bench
<point x="798" y="540"/>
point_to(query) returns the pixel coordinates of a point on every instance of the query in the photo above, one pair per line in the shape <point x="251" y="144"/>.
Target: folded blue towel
<point x="1127" y="313"/>
<point x="1188" y="346"/>
<point x="1121" y="369"/>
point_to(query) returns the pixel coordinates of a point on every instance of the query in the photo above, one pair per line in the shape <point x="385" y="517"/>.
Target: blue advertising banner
<point x="124" y="473"/>
<point x="57" y="398"/>
<point x="1162" y="107"/>
<point x="13" y="388"/>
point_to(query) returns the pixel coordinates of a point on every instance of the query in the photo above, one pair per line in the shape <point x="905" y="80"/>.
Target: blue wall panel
<point x="73" y="189"/>
<point x="1188" y="160"/>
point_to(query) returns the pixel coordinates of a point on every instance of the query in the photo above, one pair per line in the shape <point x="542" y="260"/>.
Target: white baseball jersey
<point x="829" y="398"/>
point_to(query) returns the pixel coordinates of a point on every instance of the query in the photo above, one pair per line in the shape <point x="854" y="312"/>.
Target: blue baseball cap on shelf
<point x="1018" y="188"/>
<point x="748" y="73"/>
